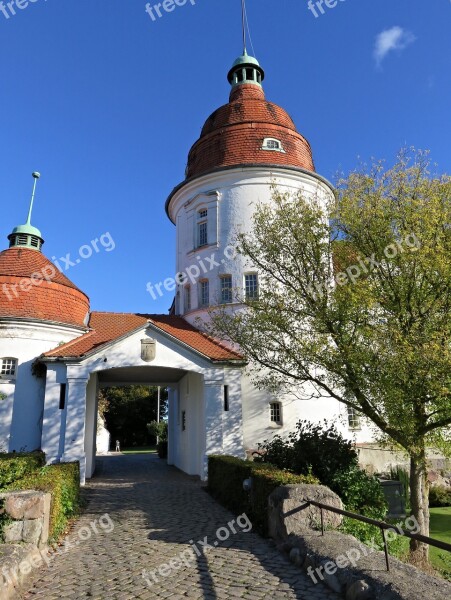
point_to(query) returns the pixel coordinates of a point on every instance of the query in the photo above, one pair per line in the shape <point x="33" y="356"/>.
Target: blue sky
<point x="105" y="103"/>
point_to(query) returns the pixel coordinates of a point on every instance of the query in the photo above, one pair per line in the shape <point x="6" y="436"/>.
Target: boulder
<point x="289" y="512"/>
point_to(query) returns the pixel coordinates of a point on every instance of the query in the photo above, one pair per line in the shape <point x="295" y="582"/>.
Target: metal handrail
<point x="381" y="524"/>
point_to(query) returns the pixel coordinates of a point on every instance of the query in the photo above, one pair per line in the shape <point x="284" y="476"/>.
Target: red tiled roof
<point x="32" y="287"/>
<point x="233" y="135"/>
<point x="107" y="327"/>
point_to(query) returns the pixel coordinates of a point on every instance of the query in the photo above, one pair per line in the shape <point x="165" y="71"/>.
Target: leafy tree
<point x="128" y="409"/>
<point x="158" y="430"/>
<point x="354" y="301"/>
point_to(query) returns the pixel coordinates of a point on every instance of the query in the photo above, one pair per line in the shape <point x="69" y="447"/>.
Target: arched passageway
<point x="199" y="376"/>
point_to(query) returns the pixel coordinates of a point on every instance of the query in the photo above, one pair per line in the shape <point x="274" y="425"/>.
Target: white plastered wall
<point x="21" y="410"/>
<point x="70" y="434"/>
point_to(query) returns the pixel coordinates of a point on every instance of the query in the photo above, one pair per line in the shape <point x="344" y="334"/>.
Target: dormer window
<point x="272" y="144"/>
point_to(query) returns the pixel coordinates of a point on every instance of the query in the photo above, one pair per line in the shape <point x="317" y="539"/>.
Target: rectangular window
<point x="62" y="396"/>
<point x="8" y="367"/>
<point x="183" y="420"/>
<point x="276" y="412"/>
<point x="353" y="418"/>
<point x="226" y="398"/>
<point x="187" y="306"/>
<point x="251" y="286"/>
<point x="226" y="289"/>
<point x="202" y="234"/>
<point x="204" y="292"/>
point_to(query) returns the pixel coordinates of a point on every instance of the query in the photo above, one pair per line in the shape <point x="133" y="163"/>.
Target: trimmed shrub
<point x="320" y="449"/>
<point x="225" y="483"/>
<point x="439" y="496"/>
<point x="15" y="466"/>
<point x="63" y="482"/>
<point x="324" y="452"/>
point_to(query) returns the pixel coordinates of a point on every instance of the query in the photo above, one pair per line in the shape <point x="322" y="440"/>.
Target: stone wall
<point x="26" y="516"/>
<point x="340" y="561"/>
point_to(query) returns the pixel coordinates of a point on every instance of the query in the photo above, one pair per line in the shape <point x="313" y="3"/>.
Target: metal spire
<point x="36" y="176"/>
<point x="243" y="18"/>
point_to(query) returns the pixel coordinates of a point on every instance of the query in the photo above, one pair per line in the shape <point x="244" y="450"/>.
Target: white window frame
<point x="229" y="289"/>
<point x="202" y="283"/>
<point x="14" y="364"/>
<point x="187" y="298"/>
<point x="202" y="227"/>
<point x="354" y="423"/>
<point x="275" y="409"/>
<point x="256" y="291"/>
<point x="273" y="145"/>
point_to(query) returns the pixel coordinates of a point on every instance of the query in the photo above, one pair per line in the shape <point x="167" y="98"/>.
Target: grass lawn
<point x="440" y="529"/>
<point x="140" y="450"/>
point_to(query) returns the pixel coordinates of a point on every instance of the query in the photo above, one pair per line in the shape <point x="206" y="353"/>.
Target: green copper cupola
<point x="27" y="236"/>
<point x="246" y="69"/>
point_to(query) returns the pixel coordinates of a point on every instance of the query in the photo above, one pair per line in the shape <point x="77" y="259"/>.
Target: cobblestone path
<point x="156" y="511"/>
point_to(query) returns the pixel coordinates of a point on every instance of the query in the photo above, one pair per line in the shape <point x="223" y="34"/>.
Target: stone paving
<point x="159" y="513"/>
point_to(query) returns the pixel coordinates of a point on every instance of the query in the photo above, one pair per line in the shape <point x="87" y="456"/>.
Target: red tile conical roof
<point x="32" y="287"/>
<point x="233" y="135"/>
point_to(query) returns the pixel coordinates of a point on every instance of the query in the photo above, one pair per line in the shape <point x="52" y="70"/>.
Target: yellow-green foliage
<point x="225" y="482"/>
<point x="63" y="483"/>
<point x="16" y="466"/>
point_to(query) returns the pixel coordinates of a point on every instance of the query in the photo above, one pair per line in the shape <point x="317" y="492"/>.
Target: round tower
<point x="40" y="308"/>
<point x="244" y="147"/>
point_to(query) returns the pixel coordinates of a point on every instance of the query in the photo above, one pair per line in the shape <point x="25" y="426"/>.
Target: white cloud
<point x="395" y="38"/>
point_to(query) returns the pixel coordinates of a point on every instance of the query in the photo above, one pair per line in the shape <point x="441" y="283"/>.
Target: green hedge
<point x="225" y="483"/>
<point x="63" y="483"/>
<point x="16" y="466"/>
<point x="439" y="496"/>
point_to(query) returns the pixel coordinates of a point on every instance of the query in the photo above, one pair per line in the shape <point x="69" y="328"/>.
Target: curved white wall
<point x="22" y="409"/>
<point x="230" y="197"/>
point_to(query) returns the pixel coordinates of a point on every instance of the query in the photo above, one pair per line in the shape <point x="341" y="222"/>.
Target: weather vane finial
<point x="36" y="176"/>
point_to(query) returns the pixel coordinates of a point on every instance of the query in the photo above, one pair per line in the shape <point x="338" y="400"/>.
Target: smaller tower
<point x="27" y="236"/>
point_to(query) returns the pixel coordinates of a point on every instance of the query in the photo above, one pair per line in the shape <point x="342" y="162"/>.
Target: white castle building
<point x="55" y="354"/>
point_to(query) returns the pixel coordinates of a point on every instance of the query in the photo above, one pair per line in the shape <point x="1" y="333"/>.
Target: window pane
<point x="226" y="398"/>
<point x="353" y="418"/>
<point x="251" y="286"/>
<point x="204" y="293"/>
<point x="187" y="298"/>
<point x="275" y="412"/>
<point x="203" y="213"/>
<point x="226" y="289"/>
<point x="8" y="366"/>
<point x="202" y="234"/>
